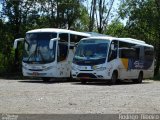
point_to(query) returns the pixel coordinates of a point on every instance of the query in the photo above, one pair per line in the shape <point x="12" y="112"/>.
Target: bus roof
<point x="134" y="41"/>
<point x="100" y="37"/>
<point x="129" y="40"/>
<point x="95" y="34"/>
<point x="58" y="31"/>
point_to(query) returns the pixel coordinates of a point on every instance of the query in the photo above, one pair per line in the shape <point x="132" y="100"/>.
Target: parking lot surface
<point x="60" y="97"/>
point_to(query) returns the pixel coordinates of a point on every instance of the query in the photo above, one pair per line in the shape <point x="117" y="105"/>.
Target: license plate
<point x="35" y="73"/>
<point x="85" y="77"/>
<point x="85" y="67"/>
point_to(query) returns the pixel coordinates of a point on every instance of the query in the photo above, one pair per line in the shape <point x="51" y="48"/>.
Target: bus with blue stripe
<point x="112" y="59"/>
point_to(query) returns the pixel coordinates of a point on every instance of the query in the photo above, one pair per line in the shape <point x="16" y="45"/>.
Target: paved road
<point x="36" y="97"/>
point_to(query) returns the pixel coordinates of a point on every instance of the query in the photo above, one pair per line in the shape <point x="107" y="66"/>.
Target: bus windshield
<point x="36" y="48"/>
<point x="91" y="52"/>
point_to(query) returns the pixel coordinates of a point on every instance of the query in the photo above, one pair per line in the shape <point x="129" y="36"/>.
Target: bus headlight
<point x="24" y="67"/>
<point x="48" y="68"/>
<point x="101" y="69"/>
<point x="74" y="67"/>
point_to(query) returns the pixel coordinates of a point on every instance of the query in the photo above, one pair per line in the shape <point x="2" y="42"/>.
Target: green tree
<point x="116" y="29"/>
<point x="143" y="22"/>
<point x="82" y="22"/>
<point x="19" y="16"/>
<point x="16" y="18"/>
<point x="61" y="13"/>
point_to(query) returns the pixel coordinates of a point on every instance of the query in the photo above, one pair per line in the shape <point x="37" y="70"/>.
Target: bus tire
<point x="114" y="78"/>
<point x="46" y="79"/>
<point x="139" y="79"/>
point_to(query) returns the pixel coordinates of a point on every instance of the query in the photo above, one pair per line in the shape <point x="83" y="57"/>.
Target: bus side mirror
<point x="112" y="46"/>
<point x="51" y="42"/>
<point x="72" y="45"/>
<point x="76" y="44"/>
<point x="16" y="42"/>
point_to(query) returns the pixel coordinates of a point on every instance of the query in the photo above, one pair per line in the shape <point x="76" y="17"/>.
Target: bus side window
<point x="63" y="37"/>
<point x="137" y="53"/>
<point x="76" y="38"/>
<point x="73" y="38"/>
<point x="62" y="51"/>
<point x="127" y="53"/>
<point x="129" y="50"/>
<point x="148" y="54"/>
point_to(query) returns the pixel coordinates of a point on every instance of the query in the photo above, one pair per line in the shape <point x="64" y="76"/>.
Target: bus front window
<point x="36" y="48"/>
<point x="91" y="52"/>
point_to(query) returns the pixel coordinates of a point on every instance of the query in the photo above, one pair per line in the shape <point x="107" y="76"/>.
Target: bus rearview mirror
<point x="16" y="42"/>
<point x="76" y="44"/>
<point x="112" y="46"/>
<point x="51" y="42"/>
<point x="72" y="45"/>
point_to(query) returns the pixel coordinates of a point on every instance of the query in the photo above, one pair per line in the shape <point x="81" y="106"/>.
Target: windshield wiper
<point x="79" y="60"/>
<point x="39" y="51"/>
<point x="33" y="54"/>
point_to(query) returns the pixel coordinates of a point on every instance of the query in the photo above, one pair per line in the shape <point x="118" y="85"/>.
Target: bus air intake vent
<point x="86" y="75"/>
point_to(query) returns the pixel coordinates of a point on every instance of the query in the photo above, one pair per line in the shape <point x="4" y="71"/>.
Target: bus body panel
<point x="38" y="70"/>
<point x="58" y="68"/>
<point x="88" y="72"/>
<point x="127" y="68"/>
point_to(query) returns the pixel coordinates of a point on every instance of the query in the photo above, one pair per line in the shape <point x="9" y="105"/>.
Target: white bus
<point x="113" y="59"/>
<point x="49" y="52"/>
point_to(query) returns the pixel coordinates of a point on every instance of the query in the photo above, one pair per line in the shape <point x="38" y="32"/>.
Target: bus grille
<point x="86" y="75"/>
<point x="35" y="69"/>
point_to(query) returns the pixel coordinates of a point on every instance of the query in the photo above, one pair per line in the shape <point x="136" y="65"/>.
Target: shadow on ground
<point x="53" y="81"/>
<point x="108" y="84"/>
<point x="75" y="82"/>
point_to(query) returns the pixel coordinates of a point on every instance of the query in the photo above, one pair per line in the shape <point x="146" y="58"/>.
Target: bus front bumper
<point x="94" y="75"/>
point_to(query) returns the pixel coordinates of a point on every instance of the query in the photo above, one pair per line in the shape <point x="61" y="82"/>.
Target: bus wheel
<point x="83" y="81"/>
<point x="114" y="78"/>
<point x="139" y="79"/>
<point x="46" y="79"/>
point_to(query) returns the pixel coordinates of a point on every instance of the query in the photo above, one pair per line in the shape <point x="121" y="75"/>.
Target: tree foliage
<point x="143" y="22"/>
<point x="116" y="29"/>
<point x="101" y="13"/>
<point x="19" y="16"/>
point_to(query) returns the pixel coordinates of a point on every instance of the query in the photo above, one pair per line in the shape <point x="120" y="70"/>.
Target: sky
<point x="0" y="6"/>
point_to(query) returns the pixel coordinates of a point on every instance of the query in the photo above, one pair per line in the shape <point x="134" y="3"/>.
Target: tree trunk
<point x="17" y="23"/>
<point x="92" y="12"/>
